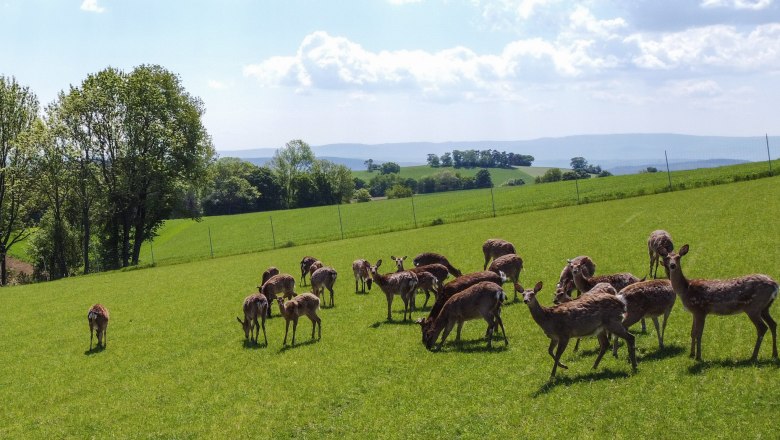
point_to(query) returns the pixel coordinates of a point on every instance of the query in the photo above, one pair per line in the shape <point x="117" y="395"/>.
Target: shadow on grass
<point x="299" y="344"/>
<point x="249" y="345"/>
<point x="700" y="367"/>
<point x="589" y="377"/>
<point x="393" y="322"/>
<point x="475" y="346"/>
<point x="667" y="352"/>
<point x="94" y="350"/>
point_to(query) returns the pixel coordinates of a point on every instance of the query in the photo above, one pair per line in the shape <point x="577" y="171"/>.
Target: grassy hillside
<point x="176" y="365"/>
<point x="498" y="175"/>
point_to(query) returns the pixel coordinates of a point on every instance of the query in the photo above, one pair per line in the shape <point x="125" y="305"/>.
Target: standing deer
<point x="561" y="297"/>
<point x="278" y="284"/>
<point x="658" y="240"/>
<point x="303" y="304"/>
<point x="496" y="247"/>
<point x="255" y="306"/>
<point x="313" y="268"/>
<point x="434" y="258"/>
<point x="361" y="269"/>
<point x="566" y="280"/>
<point x="323" y="278"/>
<point x="398" y="283"/>
<point x="98" y="324"/>
<point x="306" y="262"/>
<point x="428" y="283"/>
<point x="647" y="299"/>
<point x="589" y="315"/>
<point x="750" y="294"/>
<point x="584" y="281"/>
<point x="271" y="271"/>
<point x="510" y="265"/>
<point x="480" y="300"/>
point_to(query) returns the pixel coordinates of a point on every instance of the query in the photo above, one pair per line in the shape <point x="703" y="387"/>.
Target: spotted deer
<point x="361" y="269"/>
<point x="510" y="265"/>
<point x="751" y="294"/>
<point x="313" y="268"/>
<point x="255" y="307"/>
<point x="323" y="278"/>
<point x="283" y="284"/>
<point x="584" y="281"/>
<point x="396" y="283"/>
<point x="658" y="240"/>
<point x="271" y="271"/>
<point x="306" y="262"/>
<point x="496" y="247"/>
<point x="566" y="280"/>
<point x="647" y="299"/>
<point x="460" y="284"/>
<point x="304" y="304"/>
<point x="434" y="258"/>
<point x="98" y="324"/>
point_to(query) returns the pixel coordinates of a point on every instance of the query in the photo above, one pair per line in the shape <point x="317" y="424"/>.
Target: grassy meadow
<point x="498" y="175"/>
<point x="177" y="365"/>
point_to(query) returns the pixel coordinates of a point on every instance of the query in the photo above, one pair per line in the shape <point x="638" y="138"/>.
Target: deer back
<point x="510" y="264"/>
<point x="652" y="297"/>
<point x="730" y="296"/>
<point x="496" y="247"/>
<point x="586" y="316"/>
<point x="282" y="283"/>
<point x="438" y="270"/>
<point x="660" y="239"/>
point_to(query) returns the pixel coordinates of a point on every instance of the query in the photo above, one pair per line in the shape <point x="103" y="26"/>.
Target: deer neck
<point x="679" y="282"/>
<point x="538" y="313"/>
<point x="582" y="283"/>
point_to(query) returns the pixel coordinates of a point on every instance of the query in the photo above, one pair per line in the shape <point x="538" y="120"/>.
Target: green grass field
<point x="177" y="366"/>
<point x="498" y="175"/>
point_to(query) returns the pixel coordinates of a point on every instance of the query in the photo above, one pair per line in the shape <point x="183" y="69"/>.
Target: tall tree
<point x="289" y="163"/>
<point x="18" y="113"/>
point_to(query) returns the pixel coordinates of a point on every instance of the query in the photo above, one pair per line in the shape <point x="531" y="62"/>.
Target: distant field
<point x="498" y="175"/>
<point x="177" y="366"/>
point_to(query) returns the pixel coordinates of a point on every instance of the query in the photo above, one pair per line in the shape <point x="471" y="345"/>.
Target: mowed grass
<point x="187" y="240"/>
<point x="177" y="366"/>
<point x="497" y="175"/>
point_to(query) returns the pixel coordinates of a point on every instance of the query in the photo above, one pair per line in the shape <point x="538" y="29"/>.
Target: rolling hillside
<point x="499" y="175"/>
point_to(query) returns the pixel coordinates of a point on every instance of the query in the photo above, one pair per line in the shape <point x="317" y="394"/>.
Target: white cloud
<point x="583" y="20"/>
<point x="694" y="88"/>
<point x="92" y="6"/>
<point x="755" y="5"/>
<point x="217" y="85"/>
<point x="403" y="2"/>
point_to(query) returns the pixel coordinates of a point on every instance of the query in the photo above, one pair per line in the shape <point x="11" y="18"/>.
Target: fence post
<point x="341" y="226"/>
<point x="151" y="249"/>
<point x="273" y="235"/>
<point x="668" y="173"/>
<point x="211" y="246"/>
<point x="768" y="156"/>
<point x="577" y="185"/>
<point x="493" y="201"/>
<point x="414" y="214"/>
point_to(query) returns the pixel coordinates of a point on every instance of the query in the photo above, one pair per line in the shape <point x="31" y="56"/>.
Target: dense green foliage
<point x="479" y="159"/>
<point x="498" y="175"/>
<point x="176" y="365"/>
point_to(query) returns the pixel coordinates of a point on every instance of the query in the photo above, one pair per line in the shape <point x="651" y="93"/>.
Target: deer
<point x="658" y="240"/>
<point x="566" y="280"/>
<point x="323" y="278"/>
<point x="510" y="265"/>
<point x="361" y="269"/>
<point x="459" y="284"/>
<point x="278" y="284"/>
<point x="562" y="297"/>
<point x="303" y="304"/>
<point x="584" y="281"/>
<point x="440" y="271"/>
<point x="483" y="300"/>
<point x="496" y="247"/>
<point x="647" y="299"/>
<point x="255" y="306"/>
<point x="589" y="315"/>
<point x="271" y="271"/>
<point x="313" y="268"/>
<point x="306" y="262"/>
<point x="750" y="294"/>
<point x="98" y="324"/>
<point x="428" y="283"/>
<point x="434" y="258"/>
<point x="397" y="283"/>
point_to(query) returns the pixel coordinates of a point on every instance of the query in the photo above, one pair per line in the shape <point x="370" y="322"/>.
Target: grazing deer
<point x="397" y="283"/>
<point x="589" y="315"/>
<point x="434" y="258"/>
<point x="306" y="262"/>
<point x="496" y="247"/>
<point x="271" y="271"/>
<point x="510" y="265"/>
<point x="480" y="300"/>
<point x="278" y="284"/>
<point x="323" y="278"/>
<point x="303" y="304"/>
<point x="647" y="299"/>
<point x="750" y="294"/>
<point x="98" y="324"/>
<point x="255" y="306"/>
<point x="584" y="281"/>
<point x="361" y="269"/>
<point x="460" y="284"/>
<point x="658" y="240"/>
<point x="566" y="280"/>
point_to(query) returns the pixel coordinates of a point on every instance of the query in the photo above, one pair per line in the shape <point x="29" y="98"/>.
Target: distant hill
<point x="677" y="166"/>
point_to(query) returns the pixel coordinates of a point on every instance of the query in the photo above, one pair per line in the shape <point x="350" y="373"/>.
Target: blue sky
<point x="376" y="71"/>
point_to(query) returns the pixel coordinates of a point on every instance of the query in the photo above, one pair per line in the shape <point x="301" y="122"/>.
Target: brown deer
<point x="323" y="278"/>
<point x="255" y="306"/>
<point x="361" y="269"/>
<point x="658" y="240"/>
<point x="647" y="299"/>
<point x="440" y="271"/>
<point x="434" y="258"/>
<point x="496" y="247"/>
<point x="303" y="304"/>
<point x="566" y="280"/>
<point x="589" y="315"/>
<point x="460" y="284"/>
<point x="306" y="262"/>
<point x="271" y="271"/>
<point x="584" y="281"/>
<point x="313" y="268"/>
<point x="750" y="294"/>
<point x="397" y="283"/>
<point x="480" y="300"/>
<point x="561" y="297"/>
<point x="283" y="284"/>
<point x="428" y="283"/>
<point x="98" y="324"/>
<point x="510" y="265"/>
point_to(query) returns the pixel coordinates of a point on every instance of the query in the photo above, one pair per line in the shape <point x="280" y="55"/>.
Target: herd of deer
<point x="605" y="304"/>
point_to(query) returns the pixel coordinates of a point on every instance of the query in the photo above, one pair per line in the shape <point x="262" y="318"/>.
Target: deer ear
<point x="392" y="257"/>
<point x="538" y="287"/>
<point x="378" y="263"/>
<point x="683" y="250"/>
<point x="404" y="258"/>
<point x="568" y="260"/>
<point x="239" y="320"/>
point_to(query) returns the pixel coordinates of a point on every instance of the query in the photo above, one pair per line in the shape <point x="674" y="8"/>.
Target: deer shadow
<point x="298" y="345"/>
<point x="94" y="350"/>
<point x="556" y="381"/>
<point x="393" y="322"/>
<point x="700" y="367"/>
<point x="667" y="352"/>
<point x="249" y="345"/>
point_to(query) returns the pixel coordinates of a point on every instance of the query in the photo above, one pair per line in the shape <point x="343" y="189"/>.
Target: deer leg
<point x="487" y="259"/>
<point x="617" y="329"/>
<point x="460" y="327"/>
<point x="264" y="335"/>
<point x="553" y="344"/>
<point x="91" y="335"/>
<point x="760" y="332"/>
<point x="577" y="345"/>
<point x="561" y="347"/>
<point x="629" y="320"/>
<point x="447" y="331"/>
<point x="427" y="297"/>
<point x="407" y="305"/>
<point x="603" y="345"/>
<point x="644" y="326"/>
<point x="501" y="323"/>
<point x="772" y="327"/>
<point x="319" y="328"/>
<point x="663" y="326"/>
<point x="698" y="332"/>
<point x="295" y="328"/>
<point x="332" y="304"/>
<point x="658" y="331"/>
<point x="313" y="325"/>
<point x="389" y="304"/>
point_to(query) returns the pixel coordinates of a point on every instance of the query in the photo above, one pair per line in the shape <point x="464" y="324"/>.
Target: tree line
<point x="580" y="169"/>
<point x="479" y="159"/>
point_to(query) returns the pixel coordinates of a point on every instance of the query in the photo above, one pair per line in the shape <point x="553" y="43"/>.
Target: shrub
<point x="362" y="195"/>
<point x="437" y="221"/>
<point x="399" y="192"/>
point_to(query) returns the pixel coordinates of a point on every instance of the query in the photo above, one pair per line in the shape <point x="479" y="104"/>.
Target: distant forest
<point x="479" y="158"/>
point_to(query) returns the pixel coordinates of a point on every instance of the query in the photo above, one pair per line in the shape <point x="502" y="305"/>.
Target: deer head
<point x="530" y="295"/>
<point x="247" y="325"/>
<point x="672" y="259"/>
<point x="399" y="262"/>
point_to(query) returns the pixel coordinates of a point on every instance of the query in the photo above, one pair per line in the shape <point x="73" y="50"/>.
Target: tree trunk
<point x="86" y="224"/>
<point x="139" y="235"/>
<point x="125" y="240"/>
<point x="3" y="269"/>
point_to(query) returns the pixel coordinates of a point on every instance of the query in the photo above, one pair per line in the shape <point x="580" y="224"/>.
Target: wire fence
<point x="187" y="240"/>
